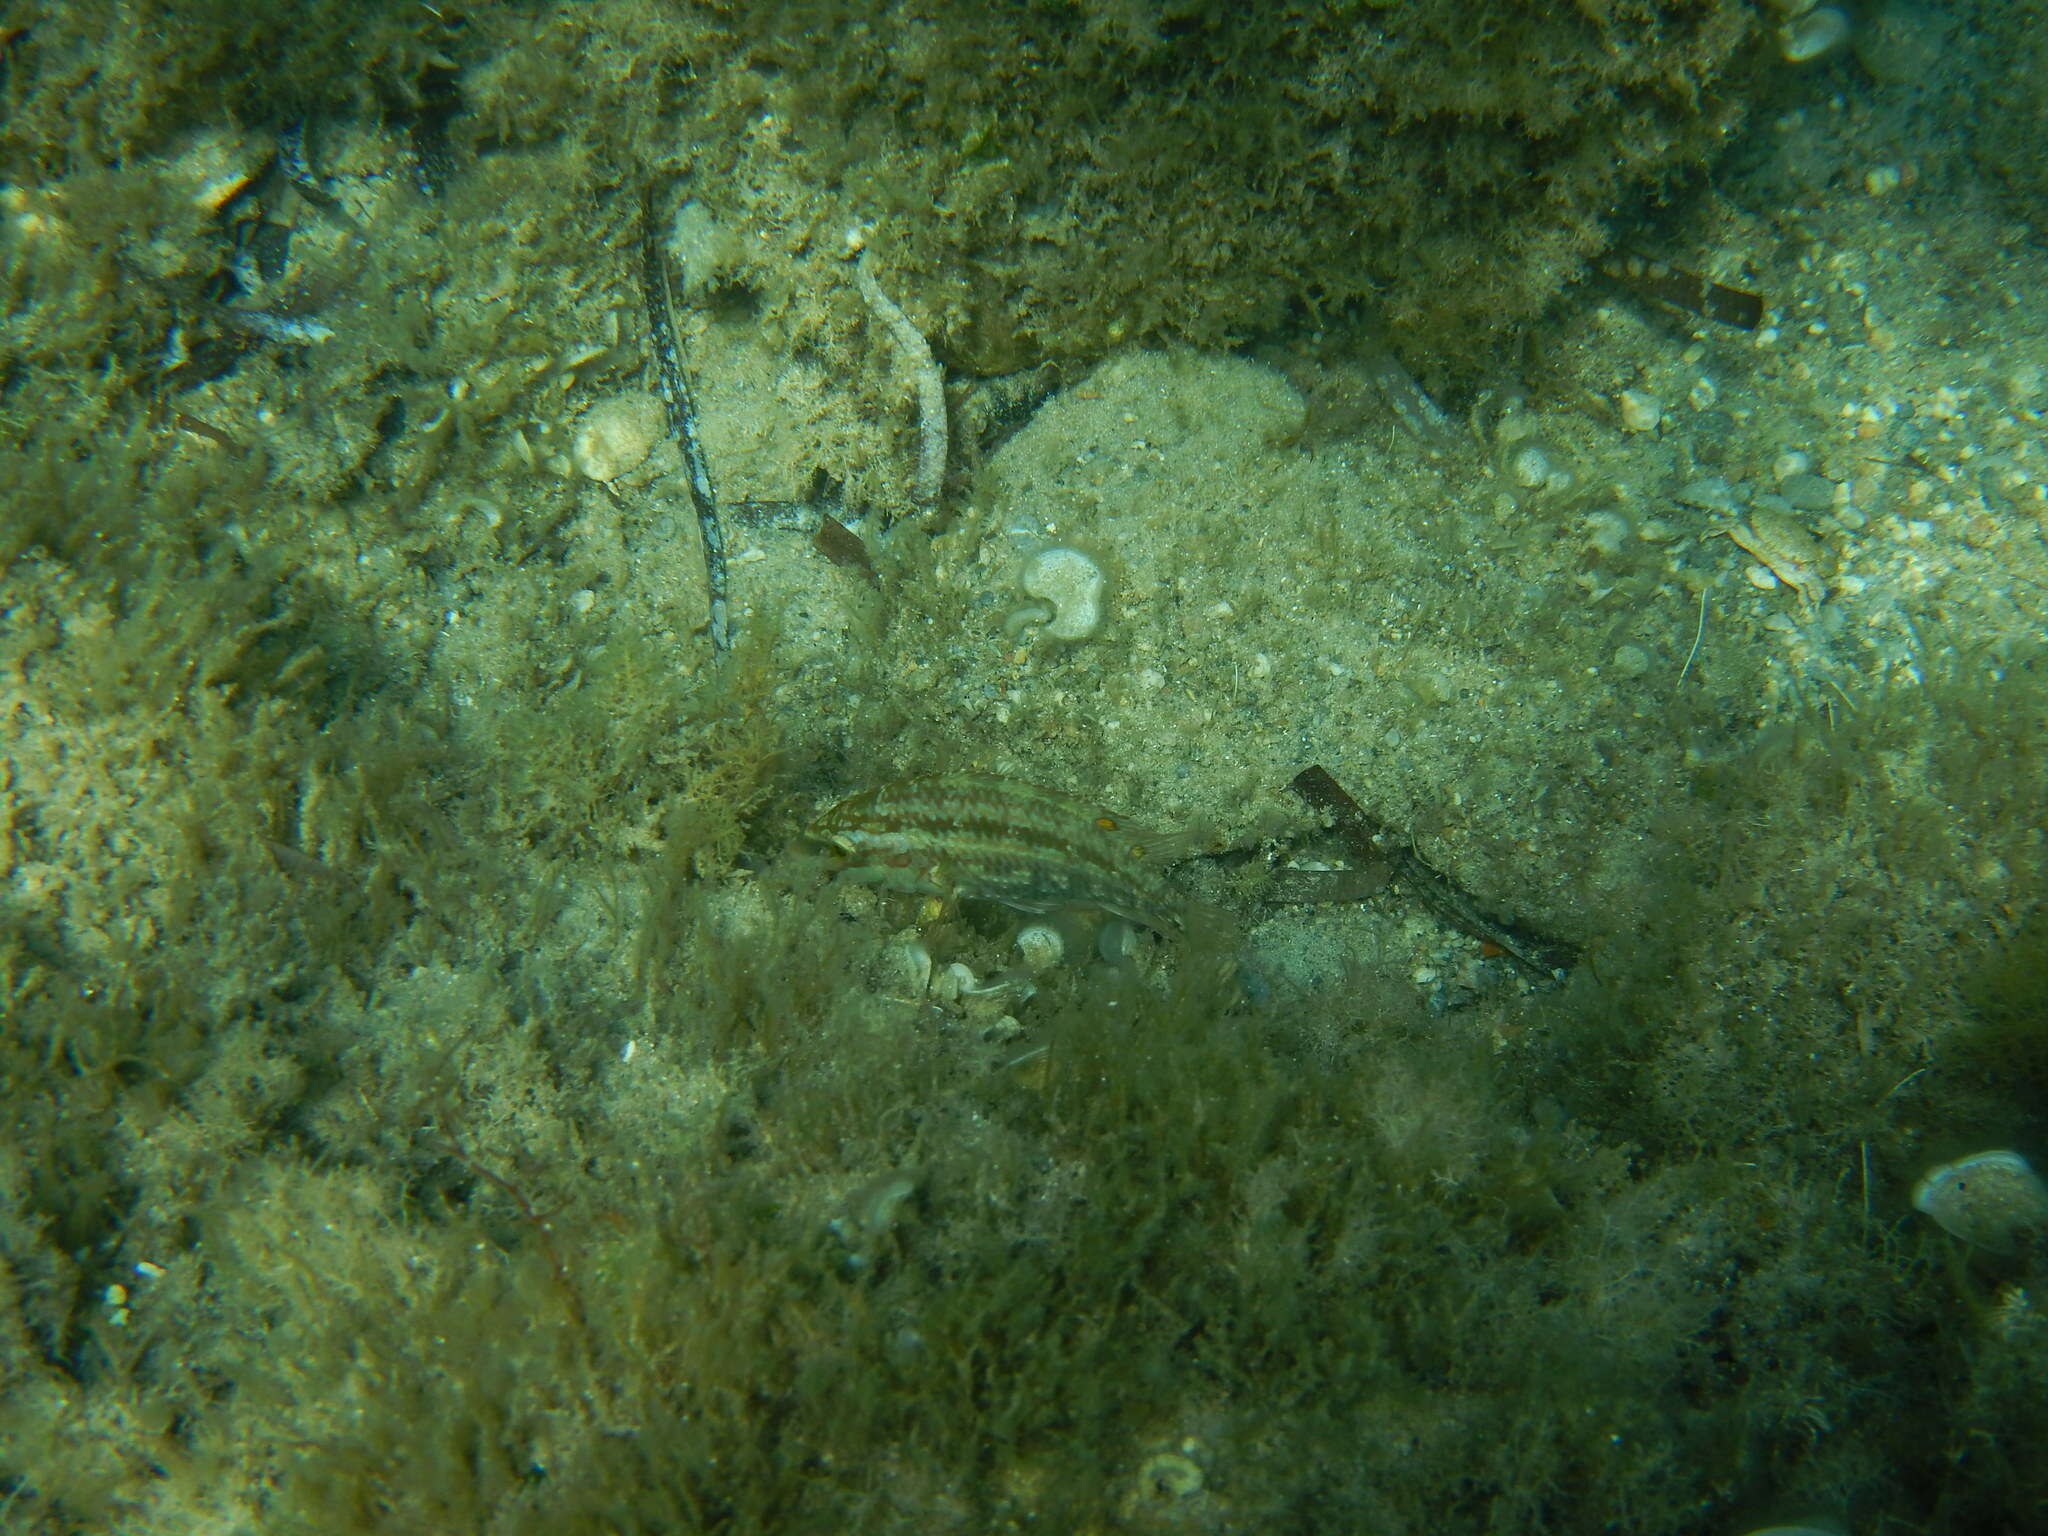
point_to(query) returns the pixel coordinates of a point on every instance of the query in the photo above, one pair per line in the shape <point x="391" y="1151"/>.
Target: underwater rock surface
<point x="445" y="1091"/>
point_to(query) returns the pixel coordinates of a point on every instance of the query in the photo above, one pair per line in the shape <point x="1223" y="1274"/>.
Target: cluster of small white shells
<point x="1991" y="1200"/>
<point x="906" y="969"/>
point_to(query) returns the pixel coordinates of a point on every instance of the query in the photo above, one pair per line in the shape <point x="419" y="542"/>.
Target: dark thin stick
<point x="1542" y="961"/>
<point x="682" y="416"/>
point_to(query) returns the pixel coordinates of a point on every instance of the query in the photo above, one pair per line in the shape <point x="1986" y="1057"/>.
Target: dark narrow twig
<point x="1543" y="961"/>
<point x="682" y="415"/>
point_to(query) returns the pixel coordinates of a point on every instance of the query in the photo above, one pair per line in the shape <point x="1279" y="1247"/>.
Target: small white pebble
<point x="1530" y="466"/>
<point x="1151" y="679"/>
<point x="1641" y="411"/>
<point x="583" y="600"/>
<point x="1881" y="179"/>
<point x="1607" y="531"/>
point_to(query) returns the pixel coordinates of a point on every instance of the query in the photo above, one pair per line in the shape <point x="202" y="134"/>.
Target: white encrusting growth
<point x="1069" y="587"/>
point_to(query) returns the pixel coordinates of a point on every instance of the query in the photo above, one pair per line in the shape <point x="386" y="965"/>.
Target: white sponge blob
<point x="1071" y="585"/>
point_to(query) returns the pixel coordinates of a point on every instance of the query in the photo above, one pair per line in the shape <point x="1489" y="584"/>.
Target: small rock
<point x="1641" y="411"/>
<point x="1711" y="494"/>
<point x="1804" y="39"/>
<point x="1171" y="1475"/>
<point x="1631" y="660"/>
<point x="1808" y="492"/>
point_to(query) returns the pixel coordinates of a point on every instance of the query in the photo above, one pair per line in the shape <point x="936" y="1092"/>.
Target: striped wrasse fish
<point x="979" y="836"/>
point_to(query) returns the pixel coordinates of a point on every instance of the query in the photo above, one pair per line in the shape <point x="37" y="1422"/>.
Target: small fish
<point x="979" y="836"/>
<point x="1685" y="290"/>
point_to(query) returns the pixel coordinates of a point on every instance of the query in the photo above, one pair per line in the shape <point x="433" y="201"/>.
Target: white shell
<point x="617" y="434"/>
<point x="1817" y="33"/>
<point x="1117" y="943"/>
<point x="953" y="983"/>
<point x="1039" y="947"/>
<point x="1989" y="1199"/>
<point x="905" y="969"/>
